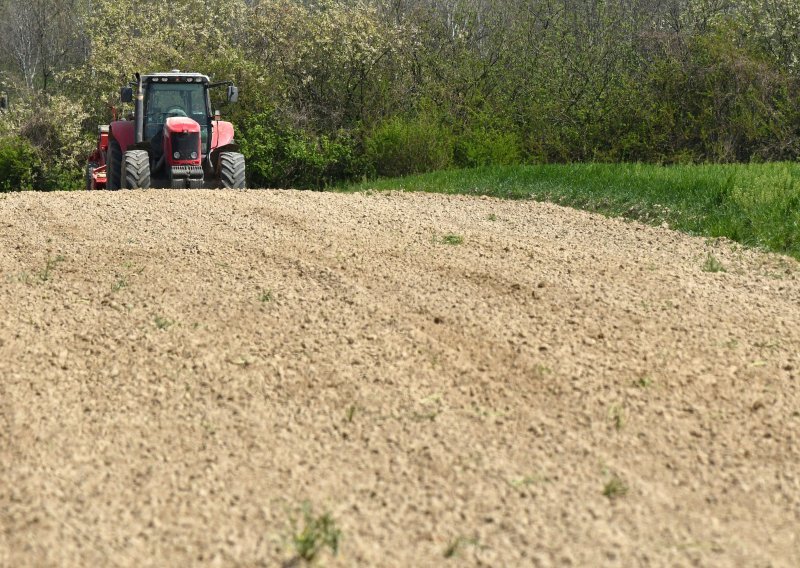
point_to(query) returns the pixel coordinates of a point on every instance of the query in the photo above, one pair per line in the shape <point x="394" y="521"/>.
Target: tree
<point x="42" y="38"/>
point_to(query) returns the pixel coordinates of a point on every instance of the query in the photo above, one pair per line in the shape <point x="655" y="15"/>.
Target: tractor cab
<point x="176" y="95"/>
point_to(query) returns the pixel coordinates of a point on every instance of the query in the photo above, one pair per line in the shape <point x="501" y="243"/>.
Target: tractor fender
<point x="222" y="134"/>
<point x="123" y="132"/>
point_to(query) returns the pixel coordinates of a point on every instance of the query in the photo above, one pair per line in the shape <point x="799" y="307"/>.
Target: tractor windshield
<point x="174" y="99"/>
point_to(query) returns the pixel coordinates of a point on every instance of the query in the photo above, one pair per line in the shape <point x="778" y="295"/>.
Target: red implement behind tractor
<point x="96" y="166"/>
<point x="173" y="140"/>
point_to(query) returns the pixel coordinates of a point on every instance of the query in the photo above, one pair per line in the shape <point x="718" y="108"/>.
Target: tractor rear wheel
<point x="113" y="164"/>
<point x="232" y="170"/>
<point x="136" y="169"/>
<point x="89" y="171"/>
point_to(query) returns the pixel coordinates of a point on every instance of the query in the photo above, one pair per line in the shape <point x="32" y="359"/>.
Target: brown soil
<point x="181" y="371"/>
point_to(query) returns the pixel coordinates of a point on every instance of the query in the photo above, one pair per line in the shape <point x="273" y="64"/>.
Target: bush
<point x="20" y="164"/>
<point x="50" y="127"/>
<point x="400" y="146"/>
<point x="487" y="147"/>
<point x="61" y="177"/>
<point x="282" y="156"/>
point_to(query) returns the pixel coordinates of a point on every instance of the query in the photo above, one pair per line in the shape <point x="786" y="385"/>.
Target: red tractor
<point x="172" y="140"/>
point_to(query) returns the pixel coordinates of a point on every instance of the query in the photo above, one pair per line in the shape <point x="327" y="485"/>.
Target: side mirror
<point x="126" y="94"/>
<point x="3" y="102"/>
<point x="233" y="93"/>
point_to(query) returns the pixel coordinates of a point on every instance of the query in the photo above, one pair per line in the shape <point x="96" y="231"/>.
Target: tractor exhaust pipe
<point x="139" y="111"/>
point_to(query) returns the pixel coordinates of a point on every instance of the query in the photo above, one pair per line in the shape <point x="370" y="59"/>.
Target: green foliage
<point x="20" y="165"/>
<point x="457" y="544"/>
<point x="327" y="59"/>
<point x="46" y="273"/>
<point x="58" y="177"/>
<point x="712" y="264"/>
<point x="162" y="322"/>
<point x="451" y="239"/>
<point x="487" y="147"/>
<point x="615" y="488"/>
<point x="317" y="533"/>
<point x="282" y="156"/>
<point x="400" y="146"/>
<point x="52" y="126"/>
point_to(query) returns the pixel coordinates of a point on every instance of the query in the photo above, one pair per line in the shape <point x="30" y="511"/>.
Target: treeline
<point x="335" y="90"/>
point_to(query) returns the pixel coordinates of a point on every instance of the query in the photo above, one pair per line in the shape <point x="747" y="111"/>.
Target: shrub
<point x="487" y="147"/>
<point x="61" y="177"/>
<point x="399" y="146"/>
<point x="282" y="156"/>
<point x="50" y="127"/>
<point x="20" y="165"/>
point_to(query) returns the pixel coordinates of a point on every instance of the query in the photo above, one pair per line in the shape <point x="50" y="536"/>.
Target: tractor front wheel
<point x="113" y="165"/>
<point x="136" y="169"/>
<point x="231" y="170"/>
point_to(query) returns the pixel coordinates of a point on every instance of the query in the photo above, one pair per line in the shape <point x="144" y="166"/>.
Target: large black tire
<point x="232" y="170"/>
<point x="136" y="169"/>
<point x="113" y="165"/>
<point x="89" y="171"/>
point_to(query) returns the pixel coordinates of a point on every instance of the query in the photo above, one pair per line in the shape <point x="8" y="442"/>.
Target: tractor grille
<point x="185" y="144"/>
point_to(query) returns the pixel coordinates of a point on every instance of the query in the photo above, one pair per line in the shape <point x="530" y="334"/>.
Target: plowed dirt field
<point x="456" y="381"/>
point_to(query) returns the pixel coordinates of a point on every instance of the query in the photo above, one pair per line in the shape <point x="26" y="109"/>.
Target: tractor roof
<point x="175" y="76"/>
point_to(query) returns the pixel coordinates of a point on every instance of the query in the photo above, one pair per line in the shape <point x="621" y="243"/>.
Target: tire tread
<point x="232" y="170"/>
<point x="137" y="169"/>
<point x="113" y="165"/>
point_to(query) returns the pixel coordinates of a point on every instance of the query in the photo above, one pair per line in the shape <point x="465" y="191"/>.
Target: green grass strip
<point x="754" y="204"/>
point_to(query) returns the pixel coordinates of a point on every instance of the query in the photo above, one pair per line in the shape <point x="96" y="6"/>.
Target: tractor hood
<point x="180" y="124"/>
<point x="182" y="142"/>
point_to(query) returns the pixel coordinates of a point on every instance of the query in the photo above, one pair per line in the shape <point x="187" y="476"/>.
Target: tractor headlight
<point x="194" y="155"/>
<point x="176" y="155"/>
